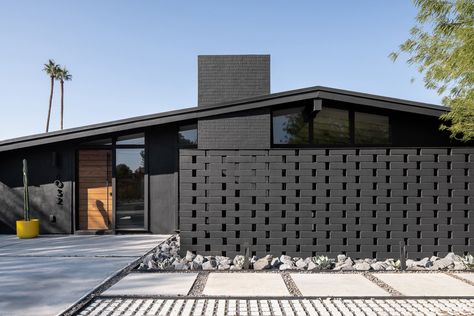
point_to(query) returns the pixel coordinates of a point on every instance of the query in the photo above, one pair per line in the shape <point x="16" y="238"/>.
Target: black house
<point x="314" y="170"/>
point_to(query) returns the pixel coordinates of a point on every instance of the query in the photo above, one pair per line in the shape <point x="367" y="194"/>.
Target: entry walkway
<point x="287" y="293"/>
<point x="47" y="275"/>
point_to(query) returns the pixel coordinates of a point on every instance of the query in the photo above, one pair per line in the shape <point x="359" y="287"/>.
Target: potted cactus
<point x="28" y="227"/>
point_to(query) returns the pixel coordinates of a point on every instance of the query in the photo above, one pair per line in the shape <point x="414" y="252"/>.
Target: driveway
<point x="46" y="275"/>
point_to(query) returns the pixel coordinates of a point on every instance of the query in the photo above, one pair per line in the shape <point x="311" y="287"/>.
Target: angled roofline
<point x="316" y="92"/>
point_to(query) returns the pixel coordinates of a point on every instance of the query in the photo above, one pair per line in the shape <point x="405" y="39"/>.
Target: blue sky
<point x="130" y="58"/>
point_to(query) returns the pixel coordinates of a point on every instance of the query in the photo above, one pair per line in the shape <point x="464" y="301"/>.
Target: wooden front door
<point x="95" y="189"/>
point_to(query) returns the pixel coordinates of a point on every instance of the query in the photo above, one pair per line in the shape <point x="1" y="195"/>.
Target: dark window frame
<point x="186" y="124"/>
<point x="351" y="130"/>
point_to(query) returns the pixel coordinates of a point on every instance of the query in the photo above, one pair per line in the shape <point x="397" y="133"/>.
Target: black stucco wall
<point x="303" y="202"/>
<point x="163" y="181"/>
<point x="43" y="191"/>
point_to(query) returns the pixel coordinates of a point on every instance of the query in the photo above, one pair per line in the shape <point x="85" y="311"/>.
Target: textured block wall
<point x="361" y="202"/>
<point x="224" y="78"/>
<point x="237" y="131"/>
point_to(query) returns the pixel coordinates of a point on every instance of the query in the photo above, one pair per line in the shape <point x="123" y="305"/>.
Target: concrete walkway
<point x="46" y="275"/>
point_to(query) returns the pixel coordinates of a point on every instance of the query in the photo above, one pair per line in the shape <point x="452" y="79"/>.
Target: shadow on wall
<point x="45" y="167"/>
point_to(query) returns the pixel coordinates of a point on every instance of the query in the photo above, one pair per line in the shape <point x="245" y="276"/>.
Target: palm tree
<point x="51" y="69"/>
<point x="63" y="75"/>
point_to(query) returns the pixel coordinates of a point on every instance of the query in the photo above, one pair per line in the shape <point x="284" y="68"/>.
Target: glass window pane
<point x="290" y="127"/>
<point x="130" y="189"/>
<point x="187" y="135"/>
<point x="331" y="127"/>
<point x="135" y="139"/>
<point x="371" y="129"/>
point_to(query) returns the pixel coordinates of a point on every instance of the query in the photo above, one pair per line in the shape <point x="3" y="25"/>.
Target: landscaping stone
<point x="190" y="256"/>
<point x="167" y="258"/>
<point x="361" y="266"/>
<point x="301" y="264"/>
<point x="239" y="261"/>
<point x="263" y="263"/>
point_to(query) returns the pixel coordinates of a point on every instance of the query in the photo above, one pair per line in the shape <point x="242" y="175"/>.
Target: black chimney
<point x="223" y="78"/>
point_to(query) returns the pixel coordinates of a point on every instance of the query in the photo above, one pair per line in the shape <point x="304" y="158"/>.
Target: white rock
<point x="209" y="265"/>
<point x="189" y="256"/>
<point x="239" y="261"/>
<point x="263" y="263"/>
<point x="312" y="265"/>
<point x="341" y="258"/>
<point x="301" y="264"/>
<point x="287" y="266"/>
<point x="285" y="259"/>
<point x="442" y="264"/>
<point x="199" y="259"/>
<point x="361" y="266"/>
<point x="275" y="263"/>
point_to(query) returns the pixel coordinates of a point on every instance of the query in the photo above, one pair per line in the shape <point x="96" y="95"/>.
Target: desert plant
<point x="26" y="196"/>
<point x="62" y="75"/>
<point x="468" y="261"/>
<point x="322" y="262"/>
<point x="51" y="69"/>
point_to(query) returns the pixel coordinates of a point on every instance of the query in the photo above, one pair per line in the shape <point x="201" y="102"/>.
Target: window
<point x="187" y="135"/>
<point x="331" y="127"/>
<point x="135" y="139"/>
<point x="290" y="126"/>
<point x="371" y="129"/>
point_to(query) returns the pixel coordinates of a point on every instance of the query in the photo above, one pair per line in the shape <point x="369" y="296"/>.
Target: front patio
<point x="47" y="275"/>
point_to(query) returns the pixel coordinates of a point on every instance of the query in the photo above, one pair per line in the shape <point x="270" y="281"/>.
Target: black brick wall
<point x="237" y="131"/>
<point x="224" y="78"/>
<point x="361" y="202"/>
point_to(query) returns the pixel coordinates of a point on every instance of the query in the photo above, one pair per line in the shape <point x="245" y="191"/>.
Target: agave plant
<point x="26" y="195"/>
<point x="468" y="261"/>
<point x="322" y="262"/>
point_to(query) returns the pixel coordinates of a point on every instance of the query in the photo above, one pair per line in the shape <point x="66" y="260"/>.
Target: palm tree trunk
<point x="62" y="103"/>
<point x="50" y="103"/>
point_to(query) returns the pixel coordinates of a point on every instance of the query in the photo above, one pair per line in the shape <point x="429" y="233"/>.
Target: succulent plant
<point x="26" y="196"/>
<point x="396" y="264"/>
<point x="322" y="262"/>
<point x="468" y="260"/>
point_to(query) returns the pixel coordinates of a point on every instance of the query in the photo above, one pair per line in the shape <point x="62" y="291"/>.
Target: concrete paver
<point x="46" y="275"/>
<point x="326" y="284"/>
<point x="245" y="284"/>
<point x="426" y="284"/>
<point x="466" y="276"/>
<point x="153" y="284"/>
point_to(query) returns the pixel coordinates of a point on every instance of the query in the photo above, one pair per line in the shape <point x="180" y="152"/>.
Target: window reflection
<point x="187" y="135"/>
<point x="135" y="139"/>
<point x="371" y="129"/>
<point x="331" y="126"/>
<point x="290" y="126"/>
<point x="130" y="197"/>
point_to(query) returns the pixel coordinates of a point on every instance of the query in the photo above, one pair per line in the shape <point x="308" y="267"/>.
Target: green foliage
<point x="441" y="44"/>
<point x="52" y="69"/>
<point x="26" y="195"/>
<point x="468" y="260"/>
<point x="323" y="262"/>
<point x="62" y="74"/>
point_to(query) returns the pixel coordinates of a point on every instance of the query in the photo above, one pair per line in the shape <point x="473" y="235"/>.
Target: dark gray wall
<point x="357" y="201"/>
<point x="246" y="130"/>
<point x="224" y="78"/>
<point x="163" y="179"/>
<point x="43" y="191"/>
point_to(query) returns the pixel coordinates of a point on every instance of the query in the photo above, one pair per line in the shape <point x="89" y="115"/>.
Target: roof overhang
<point x="318" y="92"/>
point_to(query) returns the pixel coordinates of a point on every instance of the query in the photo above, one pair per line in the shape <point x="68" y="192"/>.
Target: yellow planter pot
<point x="27" y="229"/>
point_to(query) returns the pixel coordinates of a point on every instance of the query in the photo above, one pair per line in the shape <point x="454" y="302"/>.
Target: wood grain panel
<point x="95" y="189"/>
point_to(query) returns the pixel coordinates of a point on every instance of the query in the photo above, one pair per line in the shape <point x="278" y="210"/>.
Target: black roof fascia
<point x="224" y="108"/>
